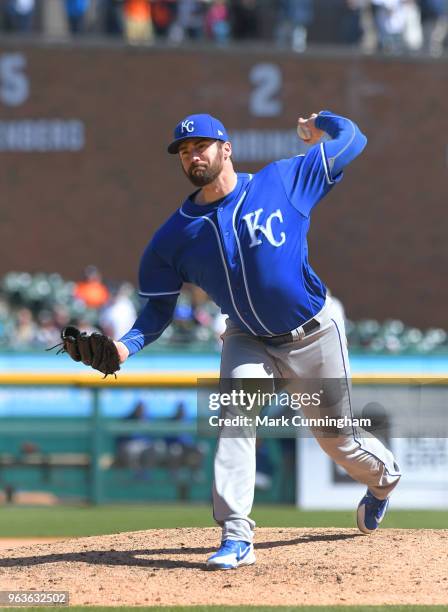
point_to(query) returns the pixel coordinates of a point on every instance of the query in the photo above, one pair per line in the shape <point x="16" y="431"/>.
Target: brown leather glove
<point x="96" y="350"/>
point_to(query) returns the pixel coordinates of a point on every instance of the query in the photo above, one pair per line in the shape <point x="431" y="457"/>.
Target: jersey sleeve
<point x="152" y="321"/>
<point x="157" y="277"/>
<point x="308" y="178"/>
<point x="161" y="284"/>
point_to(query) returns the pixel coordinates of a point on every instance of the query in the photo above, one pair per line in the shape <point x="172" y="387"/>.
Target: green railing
<point x="95" y="429"/>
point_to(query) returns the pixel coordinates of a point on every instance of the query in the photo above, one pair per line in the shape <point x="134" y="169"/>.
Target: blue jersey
<point x="249" y="250"/>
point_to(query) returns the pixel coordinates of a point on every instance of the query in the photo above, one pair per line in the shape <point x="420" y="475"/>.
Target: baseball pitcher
<point x="242" y="238"/>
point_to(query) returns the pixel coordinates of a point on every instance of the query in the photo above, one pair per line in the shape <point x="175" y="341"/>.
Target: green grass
<point x="16" y="521"/>
<point x="250" y="608"/>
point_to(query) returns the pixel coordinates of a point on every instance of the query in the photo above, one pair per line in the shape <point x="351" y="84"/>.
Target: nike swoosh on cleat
<point x="245" y="553"/>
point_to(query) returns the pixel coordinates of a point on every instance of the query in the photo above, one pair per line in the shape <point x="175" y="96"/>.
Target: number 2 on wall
<point x="264" y="100"/>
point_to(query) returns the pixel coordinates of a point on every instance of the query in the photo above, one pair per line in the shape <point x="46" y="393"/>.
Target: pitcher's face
<point x="202" y="160"/>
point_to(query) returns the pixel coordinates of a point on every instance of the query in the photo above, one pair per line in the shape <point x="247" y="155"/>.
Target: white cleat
<point x="232" y="554"/>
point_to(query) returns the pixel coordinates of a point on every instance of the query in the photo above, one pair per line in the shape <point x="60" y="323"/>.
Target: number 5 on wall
<point x="14" y="84"/>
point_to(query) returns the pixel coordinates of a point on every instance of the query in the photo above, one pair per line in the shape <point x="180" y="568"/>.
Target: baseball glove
<point x="96" y="350"/>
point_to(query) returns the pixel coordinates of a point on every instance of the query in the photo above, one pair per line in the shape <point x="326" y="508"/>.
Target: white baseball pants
<point x="320" y="355"/>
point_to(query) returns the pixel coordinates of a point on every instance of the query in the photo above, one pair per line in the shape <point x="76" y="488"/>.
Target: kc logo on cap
<point x="197" y="126"/>
<point x="187" y="125"/>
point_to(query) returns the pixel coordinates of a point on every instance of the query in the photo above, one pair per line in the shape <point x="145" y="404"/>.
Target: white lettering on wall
<point x="42" y="135"/>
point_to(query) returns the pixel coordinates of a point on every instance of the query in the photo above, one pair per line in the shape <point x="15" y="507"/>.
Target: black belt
<point x="307" y="327"/>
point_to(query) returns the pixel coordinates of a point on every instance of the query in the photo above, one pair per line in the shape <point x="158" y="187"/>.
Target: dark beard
<point x="206" y="176"/>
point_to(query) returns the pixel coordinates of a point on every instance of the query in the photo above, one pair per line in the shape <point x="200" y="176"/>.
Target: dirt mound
<point x="294" y="566"/>
<point x="10" y="543"/>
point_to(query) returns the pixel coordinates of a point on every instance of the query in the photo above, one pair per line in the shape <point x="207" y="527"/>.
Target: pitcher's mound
<point x="294" y="566"/>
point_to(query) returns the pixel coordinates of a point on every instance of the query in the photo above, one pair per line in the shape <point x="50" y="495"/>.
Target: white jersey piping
<point x="330" y="181"/>
<point x="328" y="164"/>
<point x="144" y="294"/>
<point x="223" y="262"/>
<point x="240" y="252"/>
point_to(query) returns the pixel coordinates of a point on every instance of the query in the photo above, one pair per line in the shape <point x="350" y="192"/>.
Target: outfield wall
<point x="74" y="452"/>
<point x="83" y="163"/>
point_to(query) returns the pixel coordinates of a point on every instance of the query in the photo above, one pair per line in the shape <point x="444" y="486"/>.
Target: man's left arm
<point x="308" y="178"/>
<point x="346" y="144"/>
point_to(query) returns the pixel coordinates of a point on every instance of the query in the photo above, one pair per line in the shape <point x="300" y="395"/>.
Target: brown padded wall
<point x="378" y="240"/>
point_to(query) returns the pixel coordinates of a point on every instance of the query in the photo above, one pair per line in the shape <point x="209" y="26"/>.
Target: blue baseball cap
<point x="197" y="126"/>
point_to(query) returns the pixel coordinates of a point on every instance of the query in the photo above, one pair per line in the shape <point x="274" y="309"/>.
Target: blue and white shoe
<point x="371" y="512"/>
<point x="232" y="554"/>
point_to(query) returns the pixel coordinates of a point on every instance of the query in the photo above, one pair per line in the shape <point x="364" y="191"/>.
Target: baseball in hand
<point x="303" y="132"/>
<point x="307" y="130"/>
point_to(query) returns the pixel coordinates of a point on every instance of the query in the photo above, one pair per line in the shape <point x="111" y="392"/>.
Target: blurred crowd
<point x="176" y="450"/>
<point x="393" y="26"/>
<point x="35" y="307"/>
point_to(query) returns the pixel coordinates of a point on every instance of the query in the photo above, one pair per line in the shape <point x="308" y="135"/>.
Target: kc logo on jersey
<point x="252" y="221"/>
<point x="187" y="126"/>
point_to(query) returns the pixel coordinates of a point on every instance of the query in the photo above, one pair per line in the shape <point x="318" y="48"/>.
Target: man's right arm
<point x="161" y="284"/>
<point x="150" y="325"/>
